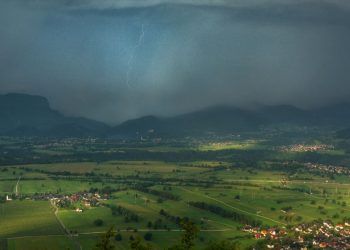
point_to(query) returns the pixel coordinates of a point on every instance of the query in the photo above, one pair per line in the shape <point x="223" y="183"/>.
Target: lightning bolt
<point x="132" y="55"/>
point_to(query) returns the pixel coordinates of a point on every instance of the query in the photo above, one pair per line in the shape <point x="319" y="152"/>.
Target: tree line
<point x="238" y="217"/>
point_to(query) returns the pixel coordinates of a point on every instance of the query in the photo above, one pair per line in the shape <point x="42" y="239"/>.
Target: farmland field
<point x="23" y="218"/>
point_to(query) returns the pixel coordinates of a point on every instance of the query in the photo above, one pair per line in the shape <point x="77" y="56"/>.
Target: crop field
<point x="25" y="218"/>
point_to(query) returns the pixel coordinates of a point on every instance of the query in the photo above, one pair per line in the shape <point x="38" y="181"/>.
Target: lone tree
<point x="138" y="245"/>
<point x="189" y="235"/>
<point x="105" y="241"/>
<point x="118" y="237"/>
<point x="148" y="236"/>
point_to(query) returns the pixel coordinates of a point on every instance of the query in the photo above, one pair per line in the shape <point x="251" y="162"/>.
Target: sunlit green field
<point x="23" y="218"/>
<point x="239" y="145"/>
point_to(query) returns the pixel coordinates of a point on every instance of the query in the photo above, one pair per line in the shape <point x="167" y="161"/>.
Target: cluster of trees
<point x="241" y="218"/>
<point x="176" y="219"/>
<point x="187" y="242"/>
<point x="297" y="189"/>
<point x="128" y="215"/>
<point x="157" y="224"/>
<point x="162" y="194"/>
<point x="64" y="203"/>
<point x="98" y="222"/>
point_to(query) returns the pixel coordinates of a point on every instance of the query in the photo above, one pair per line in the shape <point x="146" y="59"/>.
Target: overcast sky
<point x="113" y="60"/>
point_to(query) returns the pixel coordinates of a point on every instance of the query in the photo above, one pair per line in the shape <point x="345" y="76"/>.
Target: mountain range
<point x="28" y="115"/>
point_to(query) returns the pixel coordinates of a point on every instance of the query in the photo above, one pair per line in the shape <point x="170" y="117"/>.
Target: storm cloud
<point x="193" y="54"/>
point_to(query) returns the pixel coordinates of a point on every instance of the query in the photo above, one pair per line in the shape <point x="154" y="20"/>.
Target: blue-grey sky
<point x="112" y="60"/>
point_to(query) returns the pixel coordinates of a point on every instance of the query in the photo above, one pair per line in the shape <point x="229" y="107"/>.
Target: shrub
<point x="118" y="237"/>
<point x="98" y="222"/>
<point x="148" y="236"/>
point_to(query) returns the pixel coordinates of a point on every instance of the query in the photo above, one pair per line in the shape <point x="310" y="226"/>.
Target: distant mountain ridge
<point x="227" y="119"/>
<point x="27" y="115"/>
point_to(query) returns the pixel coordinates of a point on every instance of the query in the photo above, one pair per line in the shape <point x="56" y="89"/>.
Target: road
<point x="160" y="230"/>
<point x="65" y="229"/>
<point x="289" y="182"/>
<point x="123" y="230"/>
<point x="17" y="184"/>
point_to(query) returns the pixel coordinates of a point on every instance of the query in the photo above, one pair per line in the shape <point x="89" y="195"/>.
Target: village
<point x="305" y="148"/>
<point x="79" y="201"/>
<point x="314" y="235"/>
<point x="328" y="168"/>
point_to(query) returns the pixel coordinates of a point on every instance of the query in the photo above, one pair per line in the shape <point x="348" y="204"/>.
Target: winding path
<point x="17" y="184"/>
<point x="65" y="229"/>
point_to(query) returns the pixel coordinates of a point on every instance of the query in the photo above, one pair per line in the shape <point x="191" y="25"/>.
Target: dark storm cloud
<point x="194" y="54"/>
